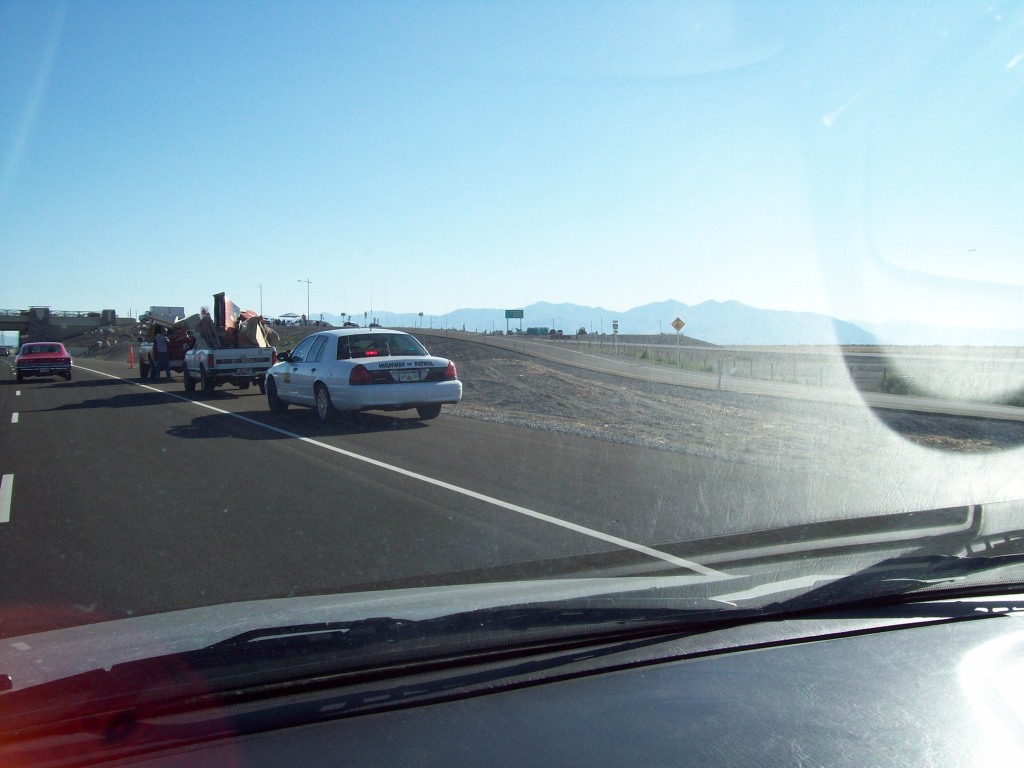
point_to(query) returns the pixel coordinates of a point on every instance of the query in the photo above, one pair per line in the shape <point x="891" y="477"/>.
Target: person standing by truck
<point x="161" y="353"/>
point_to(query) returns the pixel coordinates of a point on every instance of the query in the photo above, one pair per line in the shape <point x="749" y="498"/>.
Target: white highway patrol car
<point x="361" y="369"/>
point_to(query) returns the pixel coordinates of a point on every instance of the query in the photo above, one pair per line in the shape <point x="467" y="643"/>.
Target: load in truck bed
<point x="231" y="346"/>
<point x="250" y="331"/>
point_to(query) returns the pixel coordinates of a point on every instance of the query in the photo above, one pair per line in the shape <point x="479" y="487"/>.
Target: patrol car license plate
<point x="409" y="376"/>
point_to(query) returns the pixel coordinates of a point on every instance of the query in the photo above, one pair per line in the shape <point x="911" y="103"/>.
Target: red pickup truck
<point x="179" y="339"/>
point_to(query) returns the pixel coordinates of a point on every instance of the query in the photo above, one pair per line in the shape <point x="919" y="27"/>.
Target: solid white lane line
<point x="14" y="418"/>
<point x="591" y="532"/>
<point x="6" y="489"/>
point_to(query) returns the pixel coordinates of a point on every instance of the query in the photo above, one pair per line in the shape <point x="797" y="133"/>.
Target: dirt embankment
<point x="106" y="343"/>
<point x="507" y="387"/>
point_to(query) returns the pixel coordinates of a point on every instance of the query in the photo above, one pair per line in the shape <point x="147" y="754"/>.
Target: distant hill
<point x="717" y="322"/>
<point x="732" y="322"/>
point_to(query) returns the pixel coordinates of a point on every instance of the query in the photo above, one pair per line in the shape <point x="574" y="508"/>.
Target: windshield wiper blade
<point x="256" y="662"/>
<point x="374" y="632"/>
<point x="287" y="659"/>
<point x="906" y="579"/>
<point x="325" y="653"/>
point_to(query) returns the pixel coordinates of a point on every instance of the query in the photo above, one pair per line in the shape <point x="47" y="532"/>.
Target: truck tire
<point x="206" y="381"/>
<point x="186" y="377"/>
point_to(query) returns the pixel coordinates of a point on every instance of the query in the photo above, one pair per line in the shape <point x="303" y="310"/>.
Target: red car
<point x="43" y="358"/>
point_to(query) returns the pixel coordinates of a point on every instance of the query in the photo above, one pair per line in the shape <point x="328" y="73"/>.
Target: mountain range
<point x="717" y="322"/>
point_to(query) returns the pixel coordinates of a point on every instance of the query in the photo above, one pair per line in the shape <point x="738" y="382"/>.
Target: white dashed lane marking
<point x="7" y="484"/>
<point x="6" y="489"/>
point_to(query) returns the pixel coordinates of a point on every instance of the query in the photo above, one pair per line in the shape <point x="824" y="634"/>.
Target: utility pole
<point x="261" y="299"/>
<point x="307" y="282"/>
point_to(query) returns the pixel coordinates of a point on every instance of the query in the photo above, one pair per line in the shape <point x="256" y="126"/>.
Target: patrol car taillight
<point x="450" y="371"/>
<point x="360" y="375"/>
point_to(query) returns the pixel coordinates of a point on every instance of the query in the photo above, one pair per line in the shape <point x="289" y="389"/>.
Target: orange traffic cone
<point x="131" y="355"/>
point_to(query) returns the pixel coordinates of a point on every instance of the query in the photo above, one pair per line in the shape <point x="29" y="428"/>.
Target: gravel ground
<point x="507" y="387"/>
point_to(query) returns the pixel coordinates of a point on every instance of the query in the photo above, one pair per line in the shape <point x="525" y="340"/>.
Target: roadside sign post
<point x="678" y="325"/>
<point x="513" y="313"/>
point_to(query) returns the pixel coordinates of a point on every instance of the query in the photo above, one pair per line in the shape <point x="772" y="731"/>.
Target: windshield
<point x="41" y="349"/>
<point x="379" y="344"/>
<point x="723" y="304"/>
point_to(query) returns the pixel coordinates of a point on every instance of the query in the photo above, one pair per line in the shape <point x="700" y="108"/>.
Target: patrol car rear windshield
<point x="379" y="345"/>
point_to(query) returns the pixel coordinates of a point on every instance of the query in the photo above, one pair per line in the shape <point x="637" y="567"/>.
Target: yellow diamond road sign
<point x="678" y="324"/>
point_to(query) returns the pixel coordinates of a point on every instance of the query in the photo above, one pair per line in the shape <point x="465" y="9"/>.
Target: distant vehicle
<point x="46" y="358"/>
<point x="5" y="351"/>
<point x="361" y="369"/>
<point x="164" y="311"/>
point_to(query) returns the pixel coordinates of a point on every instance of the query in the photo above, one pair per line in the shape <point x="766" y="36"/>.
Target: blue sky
<point x="859" y="159"/>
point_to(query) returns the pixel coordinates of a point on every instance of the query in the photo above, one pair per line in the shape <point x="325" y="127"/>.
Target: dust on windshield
<point x="706" y="273"/>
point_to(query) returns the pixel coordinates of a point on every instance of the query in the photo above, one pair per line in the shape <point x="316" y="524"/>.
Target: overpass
<point x="45" y="324"/>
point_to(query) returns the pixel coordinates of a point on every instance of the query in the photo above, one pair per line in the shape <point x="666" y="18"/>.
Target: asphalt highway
<point x="123" y="498"/>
